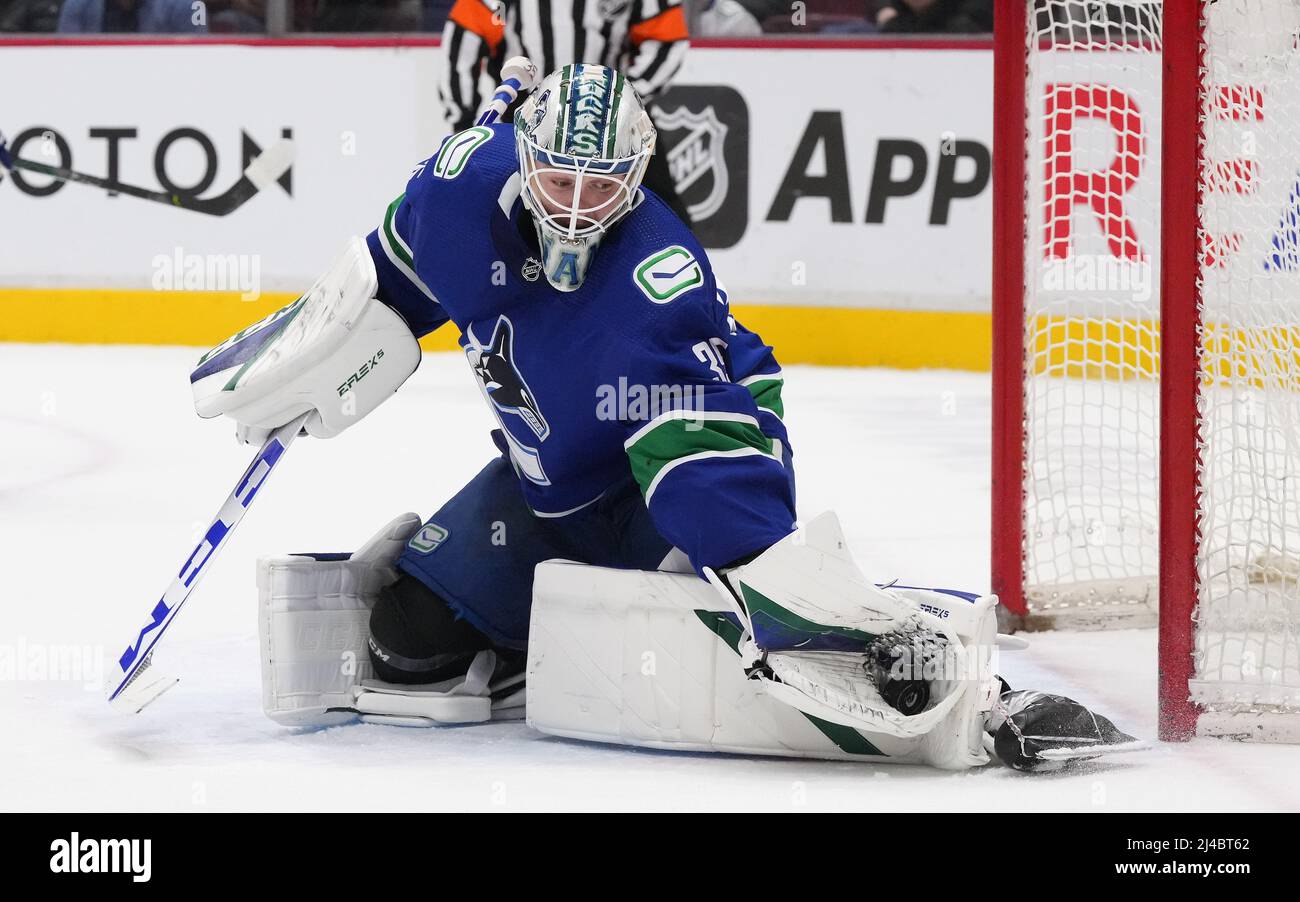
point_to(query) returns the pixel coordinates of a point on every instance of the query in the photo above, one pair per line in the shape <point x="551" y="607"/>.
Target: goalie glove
<point x="822" y="638"/>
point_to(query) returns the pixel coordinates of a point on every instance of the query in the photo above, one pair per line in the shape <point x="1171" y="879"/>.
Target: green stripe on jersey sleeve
<point x="767" y="393"/>
<point x="398" y="251"/>
<point x="684" y="437"/>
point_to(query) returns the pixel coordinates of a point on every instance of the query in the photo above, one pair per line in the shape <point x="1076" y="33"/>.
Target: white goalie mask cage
<point x="584" y="140"/>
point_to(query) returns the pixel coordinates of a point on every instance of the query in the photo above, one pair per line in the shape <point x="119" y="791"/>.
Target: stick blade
<point x="271" y="163"/>
<point x="145" y="686"/>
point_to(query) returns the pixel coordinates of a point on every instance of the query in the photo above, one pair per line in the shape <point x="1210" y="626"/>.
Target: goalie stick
<point x="261" y="171"/>
<point x="137" y="682"/>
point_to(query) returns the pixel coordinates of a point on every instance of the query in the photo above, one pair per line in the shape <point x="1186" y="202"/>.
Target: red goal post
<point x="1146" y="341"/>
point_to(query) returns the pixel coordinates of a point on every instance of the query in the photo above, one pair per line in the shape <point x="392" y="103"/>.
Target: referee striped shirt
<point x="644" y="39"/>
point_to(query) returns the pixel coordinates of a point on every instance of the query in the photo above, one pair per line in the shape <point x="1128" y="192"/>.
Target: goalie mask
<point x="584" y="140"/>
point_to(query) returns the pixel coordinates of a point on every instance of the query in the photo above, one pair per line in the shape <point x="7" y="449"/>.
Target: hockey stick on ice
<point x="261" y="171"/>
<point x="137" y="683"/>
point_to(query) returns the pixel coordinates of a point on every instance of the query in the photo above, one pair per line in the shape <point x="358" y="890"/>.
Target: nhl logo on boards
<point x="531" y="269"/>
<point x="697" y="155"/>
<point x="704" y="135"/>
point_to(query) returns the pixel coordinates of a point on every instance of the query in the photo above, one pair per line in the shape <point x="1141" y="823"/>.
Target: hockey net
<point x="1085" y="447"/>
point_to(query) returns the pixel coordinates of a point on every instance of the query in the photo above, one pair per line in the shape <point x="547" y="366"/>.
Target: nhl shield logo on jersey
<point x="505" y="386"/>
<point x="696" y="157"/>
<point x="667" y="274"/>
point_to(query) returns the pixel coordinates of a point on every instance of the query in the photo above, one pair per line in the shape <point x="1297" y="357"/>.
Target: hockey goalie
<point x="630" y="569"/>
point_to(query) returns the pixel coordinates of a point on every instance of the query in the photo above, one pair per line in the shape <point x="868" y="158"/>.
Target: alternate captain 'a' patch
<point x="667" y="274"/>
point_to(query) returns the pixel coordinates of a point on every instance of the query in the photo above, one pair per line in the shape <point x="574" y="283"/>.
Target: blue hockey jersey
<point x="642" y="368"/>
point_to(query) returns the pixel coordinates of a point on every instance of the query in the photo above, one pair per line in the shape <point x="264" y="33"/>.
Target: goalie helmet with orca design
<point x="584" y="139"/>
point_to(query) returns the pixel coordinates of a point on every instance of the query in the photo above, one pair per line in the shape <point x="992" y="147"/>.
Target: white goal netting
<point x="1092" y="335"/>
<point x="1092" y="312"/>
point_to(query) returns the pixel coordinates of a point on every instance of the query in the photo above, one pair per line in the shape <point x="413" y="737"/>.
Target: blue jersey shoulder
<point x="468" y="168"/>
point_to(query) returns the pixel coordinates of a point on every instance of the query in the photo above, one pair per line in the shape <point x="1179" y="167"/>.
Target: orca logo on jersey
<point x="495" y="367"/>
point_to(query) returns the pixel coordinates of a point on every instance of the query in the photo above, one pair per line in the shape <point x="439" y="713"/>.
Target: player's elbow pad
<point x="337" y="353"/>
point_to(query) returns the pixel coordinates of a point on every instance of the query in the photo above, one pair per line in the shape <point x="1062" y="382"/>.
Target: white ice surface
<point x="106" y="477"/>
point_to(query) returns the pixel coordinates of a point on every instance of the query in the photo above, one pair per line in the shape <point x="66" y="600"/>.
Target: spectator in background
<point x="728" y="18"/>
<point x="435" y="14"/>
<point x="951" y="16"/>
<point x="372" y="15"/>
<point x="744" y="18"/>
<point x="29" y="15"/>
<point x="130" y="16"/>
<point x="241" y="16"/>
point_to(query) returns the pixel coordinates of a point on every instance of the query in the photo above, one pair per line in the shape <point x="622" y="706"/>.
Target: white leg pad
<point x="647" y="659"/>
<point x="314" y="624"/>
<point x="314" y="627"/>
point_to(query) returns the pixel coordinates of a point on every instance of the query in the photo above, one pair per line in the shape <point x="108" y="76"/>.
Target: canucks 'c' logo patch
<point x="667" y="274"/>
<point x="430" y="536"/>
<point x="495" y="368"/>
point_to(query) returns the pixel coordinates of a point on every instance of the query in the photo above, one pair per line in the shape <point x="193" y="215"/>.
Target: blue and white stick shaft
<point x="518" y="74"/>
<point x="135" y="683"/>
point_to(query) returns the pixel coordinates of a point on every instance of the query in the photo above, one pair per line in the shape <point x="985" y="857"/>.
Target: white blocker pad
<point x="650" y="659"/>
<point x="335" y="352"/>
